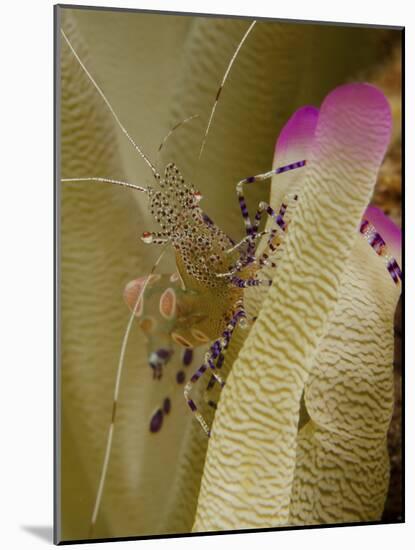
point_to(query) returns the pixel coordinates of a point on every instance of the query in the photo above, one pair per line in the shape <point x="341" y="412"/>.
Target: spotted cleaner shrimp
<point x="213" y="269"/>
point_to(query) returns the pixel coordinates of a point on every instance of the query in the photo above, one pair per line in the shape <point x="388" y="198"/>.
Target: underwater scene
<point x="230" y="274"/>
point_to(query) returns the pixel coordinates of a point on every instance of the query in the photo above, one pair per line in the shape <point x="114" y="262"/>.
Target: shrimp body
<point x="203" y="252"/>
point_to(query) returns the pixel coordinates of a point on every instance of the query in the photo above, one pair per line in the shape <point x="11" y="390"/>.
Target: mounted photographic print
<point x="229" y="273"/>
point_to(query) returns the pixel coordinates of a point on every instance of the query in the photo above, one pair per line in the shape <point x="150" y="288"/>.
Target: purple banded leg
<point x="249" y="257"/>
<point x="247" y="240"/>
<point x="280" y="222"/>
<point x="215" y="351"/>
<point x="379" y="246"/>
<point x="394" y="270"/>
<point x="252" y="228"/>
<point x="253" y="179"/>
<point x="241" y="264"/>
<point x="281" y="226"/>
<point x="212" y="380"/>
<point x="278" y="219"/>
<point x="263" y="259"/>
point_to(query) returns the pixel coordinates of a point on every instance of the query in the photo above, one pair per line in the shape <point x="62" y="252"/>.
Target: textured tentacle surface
<point x="342" y="468"/>
<point x="250" y="464"/>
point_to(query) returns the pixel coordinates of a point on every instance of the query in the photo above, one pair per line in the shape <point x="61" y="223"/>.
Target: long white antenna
<point x="115" y="399"/>
<point x="108" y="180"/>
<point x="169" y="133"/>
<point x="114" y="114"/>
<point x="235" y="55"/>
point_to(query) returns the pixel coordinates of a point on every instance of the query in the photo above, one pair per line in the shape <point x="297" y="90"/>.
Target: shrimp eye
<point x="147" y="237"/>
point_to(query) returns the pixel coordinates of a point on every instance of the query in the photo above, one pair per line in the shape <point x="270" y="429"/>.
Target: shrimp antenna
<point x="235" y="55"/>
<point x="114" y="114"/>
<point x="107" y="180"/>
<point x="108" y="446"/>
<point x="169" y="133"/>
